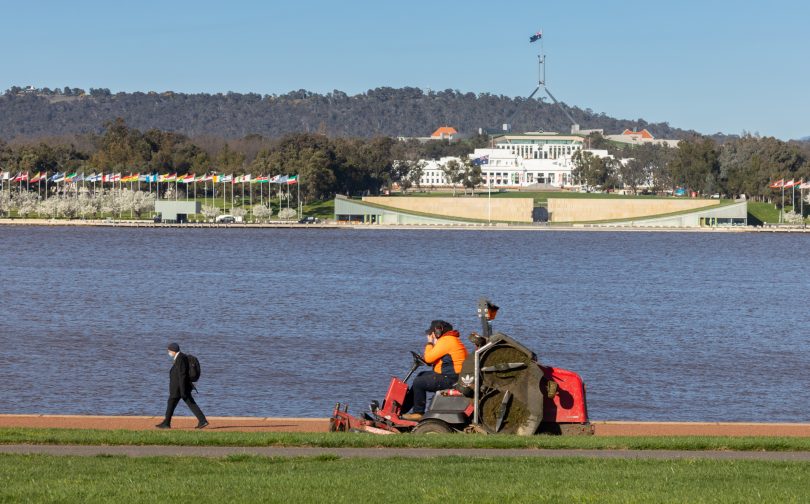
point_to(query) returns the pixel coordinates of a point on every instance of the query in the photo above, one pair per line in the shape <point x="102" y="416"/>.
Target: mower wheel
<point x="432" y="427"/>
<point x="335" y="426"/>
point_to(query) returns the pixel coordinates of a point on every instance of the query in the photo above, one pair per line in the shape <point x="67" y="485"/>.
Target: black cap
<point x="174" y="347"/>
<point x="441" y="326"/>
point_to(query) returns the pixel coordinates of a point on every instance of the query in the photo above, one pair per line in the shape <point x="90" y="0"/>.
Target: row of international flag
<point x="148" y="178"/>
<point x="787" y="184"/>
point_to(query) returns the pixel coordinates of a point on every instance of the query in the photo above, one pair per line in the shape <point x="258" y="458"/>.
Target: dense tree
<point x="378" y="112"/>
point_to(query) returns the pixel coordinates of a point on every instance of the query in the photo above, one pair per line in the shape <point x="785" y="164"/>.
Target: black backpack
<point x="193" y="368"/>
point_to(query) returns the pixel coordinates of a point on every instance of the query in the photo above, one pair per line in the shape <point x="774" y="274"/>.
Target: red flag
<point x="776" y="185"/>
<point x="792" y="183"/>
<point x="22" y="177"/>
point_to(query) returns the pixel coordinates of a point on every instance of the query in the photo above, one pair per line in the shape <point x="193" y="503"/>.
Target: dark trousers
<point x="190" y="402"/>
<point x="426" y="381"/>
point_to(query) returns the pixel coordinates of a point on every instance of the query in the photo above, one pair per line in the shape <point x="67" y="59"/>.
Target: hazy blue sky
<point x="707" y="65"/>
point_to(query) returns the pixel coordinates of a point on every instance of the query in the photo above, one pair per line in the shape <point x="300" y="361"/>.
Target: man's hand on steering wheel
<point x="418" y="358"/>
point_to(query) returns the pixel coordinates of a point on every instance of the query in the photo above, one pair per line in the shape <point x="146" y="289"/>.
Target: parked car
<point x="309" y="220"/>
<point x="225" y="219"/>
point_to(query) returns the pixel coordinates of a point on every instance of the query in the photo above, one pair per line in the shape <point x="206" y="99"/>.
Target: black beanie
<point x="174" y="347"/>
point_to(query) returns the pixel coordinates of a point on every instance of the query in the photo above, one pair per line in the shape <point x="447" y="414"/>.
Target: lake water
<point x="661" y="326"/>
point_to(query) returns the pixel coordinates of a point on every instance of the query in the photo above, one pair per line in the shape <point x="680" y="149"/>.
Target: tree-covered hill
<point x="30" y="113"/>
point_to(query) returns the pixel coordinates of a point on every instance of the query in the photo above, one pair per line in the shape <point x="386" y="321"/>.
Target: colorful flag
<point x="226" y="178"/>
<point x="5" y="175"/>
<point x="36" y="178"/>
<point x="481" y="160"/>
<point x="21" y="177"/>
<point x="537" y="36"/>
<point x="805" y="185"/>
<point x="792" y="183"/>
<point x="237" y="179"/>
<point x="292" y="180"/>
<point x="95" y="177"/>
<point x="262" y="179"/>
<point x="275" y="180"/>
<point x="246" y="178"/>
<point x="79" y="177"/>
<point x="776" y="185"/>
<point x="58" y="177"/>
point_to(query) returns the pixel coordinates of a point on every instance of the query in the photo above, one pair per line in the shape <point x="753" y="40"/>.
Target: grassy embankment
<point x="240" y="478"/>
<point x="343" y="440"/>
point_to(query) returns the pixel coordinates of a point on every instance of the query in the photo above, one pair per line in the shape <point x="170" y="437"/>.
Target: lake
<point x="286" y="322"/>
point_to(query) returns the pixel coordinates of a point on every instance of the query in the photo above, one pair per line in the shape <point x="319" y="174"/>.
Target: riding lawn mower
<point x="502" y="389"/>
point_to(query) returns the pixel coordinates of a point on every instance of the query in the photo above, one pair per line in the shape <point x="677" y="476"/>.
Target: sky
<point x="711" y="66"/>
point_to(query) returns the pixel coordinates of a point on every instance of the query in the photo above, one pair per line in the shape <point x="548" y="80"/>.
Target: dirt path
<point x="224" y="451"/>
<point x="218" y="424"/>
<point x="255" y="424"/>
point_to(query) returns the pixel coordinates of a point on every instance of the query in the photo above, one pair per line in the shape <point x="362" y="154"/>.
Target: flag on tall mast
<point x="537" y="36"/>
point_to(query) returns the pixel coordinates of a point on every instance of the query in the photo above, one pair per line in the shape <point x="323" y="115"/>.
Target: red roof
<point x="444" y="131"/>
<point x="644" y="133"/>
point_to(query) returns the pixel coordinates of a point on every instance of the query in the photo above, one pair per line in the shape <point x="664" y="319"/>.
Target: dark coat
<point x="179" y="381"/>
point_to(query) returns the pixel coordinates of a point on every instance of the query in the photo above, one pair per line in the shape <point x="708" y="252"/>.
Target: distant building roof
<point x="643" y="133"/>
<point x="445" y="132"/>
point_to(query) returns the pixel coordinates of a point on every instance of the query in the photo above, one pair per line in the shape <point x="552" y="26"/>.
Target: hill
<point x="31" y="113"/>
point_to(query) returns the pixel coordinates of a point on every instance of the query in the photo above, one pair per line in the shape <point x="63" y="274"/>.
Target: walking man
<point x="180" y="388"/>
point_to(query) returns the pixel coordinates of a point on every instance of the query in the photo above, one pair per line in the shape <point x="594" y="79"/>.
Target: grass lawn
<point x="348" y="440"/>
<point x="764" y="212"/>
<point x="40" y="478"/>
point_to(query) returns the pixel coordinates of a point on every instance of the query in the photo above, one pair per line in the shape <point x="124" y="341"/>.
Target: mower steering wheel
<point x="418" y="360"/>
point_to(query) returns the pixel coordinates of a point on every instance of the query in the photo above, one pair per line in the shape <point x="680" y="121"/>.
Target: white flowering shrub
<point x="210" y="212"/>
<point x="262" y="212"/>
<point x="287" y="213"/>
<point x="793" y="218"/>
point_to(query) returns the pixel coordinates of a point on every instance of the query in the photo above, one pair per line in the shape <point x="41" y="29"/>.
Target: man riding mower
<point x="499" y="388"/>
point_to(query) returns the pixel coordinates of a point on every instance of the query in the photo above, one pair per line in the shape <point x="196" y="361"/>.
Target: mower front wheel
<point x="432" y="427"/>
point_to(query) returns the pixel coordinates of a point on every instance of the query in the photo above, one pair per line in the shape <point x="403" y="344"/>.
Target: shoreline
<point x="283" y="424"/>
<point x="140" y="224"/>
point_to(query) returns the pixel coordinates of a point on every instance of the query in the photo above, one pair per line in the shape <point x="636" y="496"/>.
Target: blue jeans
<point x="426" y="381"/>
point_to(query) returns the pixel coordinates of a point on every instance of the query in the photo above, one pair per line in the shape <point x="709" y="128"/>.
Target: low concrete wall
<point x="503" y="209"/>
<point x="585" y="209"/>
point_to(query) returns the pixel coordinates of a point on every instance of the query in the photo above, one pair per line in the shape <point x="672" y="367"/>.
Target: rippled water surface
<point x="661" y="326"/>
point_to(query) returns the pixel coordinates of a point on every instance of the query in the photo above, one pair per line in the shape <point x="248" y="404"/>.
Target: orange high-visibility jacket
<point x="447" y="354"/>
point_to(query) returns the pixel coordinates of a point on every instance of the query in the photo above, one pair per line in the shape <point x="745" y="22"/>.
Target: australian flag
<point x="537" y="36"/>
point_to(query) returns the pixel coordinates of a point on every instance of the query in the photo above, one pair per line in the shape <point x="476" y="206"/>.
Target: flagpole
<point x="782" y="210"/>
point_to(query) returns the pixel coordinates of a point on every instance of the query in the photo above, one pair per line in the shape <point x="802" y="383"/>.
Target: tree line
<point x="385" y="111"/>
<point x="326" y="165"/>
<point x="745" y="165"/>
<point x="355" y="165"/>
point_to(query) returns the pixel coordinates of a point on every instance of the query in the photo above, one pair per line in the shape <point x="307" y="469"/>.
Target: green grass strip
<point x="362" y="440"/>
<point x="329" y="479"/>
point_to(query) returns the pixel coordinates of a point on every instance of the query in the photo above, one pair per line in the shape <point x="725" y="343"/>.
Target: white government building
<point x="519" y="160"/>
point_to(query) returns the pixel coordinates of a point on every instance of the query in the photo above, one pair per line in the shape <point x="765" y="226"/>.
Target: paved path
<point x="224" y="451"/>
<point x="271" y="424"/>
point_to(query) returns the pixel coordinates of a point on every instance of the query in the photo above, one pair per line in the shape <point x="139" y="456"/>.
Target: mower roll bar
<point x="486" y="312"/>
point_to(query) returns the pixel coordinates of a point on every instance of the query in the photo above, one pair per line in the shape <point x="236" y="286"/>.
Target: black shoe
<point x="163" y="425"/>
<point x="201" y="424"/>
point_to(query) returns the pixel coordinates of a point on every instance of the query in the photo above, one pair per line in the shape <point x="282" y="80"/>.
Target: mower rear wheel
<point x="432" y="427"/>
<point x="335" y="426"/>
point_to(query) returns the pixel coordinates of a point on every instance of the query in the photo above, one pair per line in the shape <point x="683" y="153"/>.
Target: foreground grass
<point x="447" y="479"/>
<point x="344" y="440"/>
